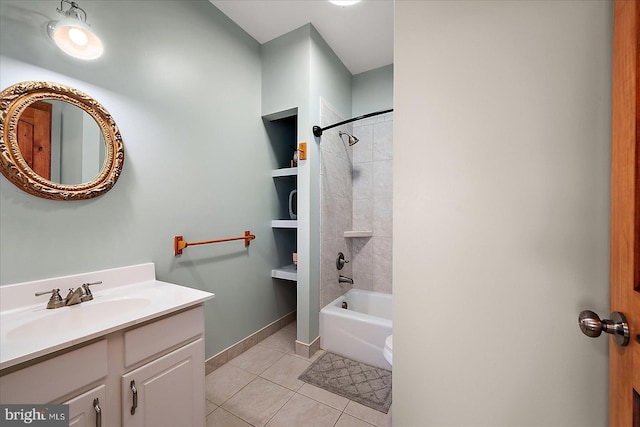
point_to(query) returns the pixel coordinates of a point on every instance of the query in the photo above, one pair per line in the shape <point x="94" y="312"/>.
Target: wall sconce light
<point x="73" y="35"/>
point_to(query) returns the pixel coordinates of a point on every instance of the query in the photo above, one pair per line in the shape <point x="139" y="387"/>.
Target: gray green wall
<point x="298" y="69"/>
<point x="185" y="90"/>
<point x="372" y="91"/>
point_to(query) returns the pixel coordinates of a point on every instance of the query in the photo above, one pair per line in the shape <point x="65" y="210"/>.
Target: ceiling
<point x="361" y="35"/>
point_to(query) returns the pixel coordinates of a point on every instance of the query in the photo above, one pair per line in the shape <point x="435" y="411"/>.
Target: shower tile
<point x="344" y="214"/>
<point x="328" y="114"/>
<point x="372" y="120"/>
<point x="336" y="180"/>
<point x="343" y="150"/>
<point x="363" y="264"/>
<point x="364" y="282"/>
<point x="328" y="217"/>
<point x="332" y="289"/>
<point x="363" y="181"/>
<point x="363" y="214"/>
<point x="363" y="150"/>
<point x="383" y="141"/>
<point x="382" y="264"/>
<point x="383" y="217"/>
<point x="383" y="284"/>
<point x="383" y="179"/>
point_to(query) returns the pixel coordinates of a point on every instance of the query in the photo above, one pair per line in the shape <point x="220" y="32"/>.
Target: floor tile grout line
<point x="294" y="392"/>
<point x="280" y="409"/>
<point x="252" y="380"/>
<point x="239" y="367"/>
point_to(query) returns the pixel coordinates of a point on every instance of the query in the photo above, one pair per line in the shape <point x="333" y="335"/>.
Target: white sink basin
<point x="78" y="316"/>
<point x="128" y="296"/>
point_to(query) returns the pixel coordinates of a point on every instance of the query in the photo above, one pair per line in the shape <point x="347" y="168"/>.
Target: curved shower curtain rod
<point x="317" y="130"/>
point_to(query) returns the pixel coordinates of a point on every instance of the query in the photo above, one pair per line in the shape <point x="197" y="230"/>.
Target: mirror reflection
<point x="61" y="142"/>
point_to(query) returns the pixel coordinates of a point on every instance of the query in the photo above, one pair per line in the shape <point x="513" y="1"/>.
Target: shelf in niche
<point x="284" y="223"/>
<point x="288" y="272"/>
<point x="277" y="173"/>
<point x="352" y="234"/>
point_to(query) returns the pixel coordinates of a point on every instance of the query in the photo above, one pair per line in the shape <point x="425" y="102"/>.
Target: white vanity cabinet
<point x="53" y="379"/>
<point x="167" y="390"/>
<point x="135" y="329"/>
<point x="164" y="358"/>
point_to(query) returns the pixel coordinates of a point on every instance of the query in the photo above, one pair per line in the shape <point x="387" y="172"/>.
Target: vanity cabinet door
<point x="168" y="391"/>
<point x="85" y="410"/>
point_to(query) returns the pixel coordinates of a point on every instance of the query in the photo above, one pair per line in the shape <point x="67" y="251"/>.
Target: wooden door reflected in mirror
<point x="34" y="137"/>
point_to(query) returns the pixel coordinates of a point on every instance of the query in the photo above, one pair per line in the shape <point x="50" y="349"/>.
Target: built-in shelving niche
<point x="282" y="130"/>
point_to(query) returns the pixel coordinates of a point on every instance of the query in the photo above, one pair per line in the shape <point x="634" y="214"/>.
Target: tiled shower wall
<point x="336" y="201"/>
<point x="373" y="203"/>
<point x="356" y="194"/>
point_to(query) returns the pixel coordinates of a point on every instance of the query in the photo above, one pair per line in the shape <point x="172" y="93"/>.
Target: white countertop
<point x="31" y="330"/>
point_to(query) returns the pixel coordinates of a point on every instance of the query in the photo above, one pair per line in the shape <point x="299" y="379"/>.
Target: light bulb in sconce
<point x="78" y="37"/>
<point x="73" y="35"/>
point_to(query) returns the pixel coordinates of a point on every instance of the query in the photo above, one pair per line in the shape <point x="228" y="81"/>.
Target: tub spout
<point x="345" y="279"/>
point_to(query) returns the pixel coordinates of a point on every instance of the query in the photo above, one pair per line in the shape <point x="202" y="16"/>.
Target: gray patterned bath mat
<point x="354" y="380"/>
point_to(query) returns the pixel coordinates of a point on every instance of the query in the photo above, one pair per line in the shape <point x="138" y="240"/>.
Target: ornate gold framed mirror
<point x="57" y="142"/>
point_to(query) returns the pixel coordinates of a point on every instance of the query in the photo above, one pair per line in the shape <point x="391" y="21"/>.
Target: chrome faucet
<point x="345" y="279"/>
<point x="82" y="294"/>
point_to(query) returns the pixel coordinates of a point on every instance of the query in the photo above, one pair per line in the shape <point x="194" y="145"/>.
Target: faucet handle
<point x="340" y="261"/>
<point x="88" y="296"/>
<point x="55" y="301"/>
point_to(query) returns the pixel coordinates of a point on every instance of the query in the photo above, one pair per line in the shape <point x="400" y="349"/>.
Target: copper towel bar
<point x="179" y="244"/>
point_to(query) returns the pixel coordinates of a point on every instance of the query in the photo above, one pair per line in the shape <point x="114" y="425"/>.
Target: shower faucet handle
<point x="340" y="261"/>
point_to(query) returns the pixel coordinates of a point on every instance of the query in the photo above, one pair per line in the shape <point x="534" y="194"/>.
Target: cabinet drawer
<point x="151" y="339"/>
<point x="51" y="379"/>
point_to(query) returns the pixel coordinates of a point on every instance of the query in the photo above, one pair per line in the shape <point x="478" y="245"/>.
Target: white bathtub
<point x="359" y="331"/>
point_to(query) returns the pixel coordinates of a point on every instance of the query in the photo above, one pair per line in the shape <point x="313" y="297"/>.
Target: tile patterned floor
<point x="261" y="388"/>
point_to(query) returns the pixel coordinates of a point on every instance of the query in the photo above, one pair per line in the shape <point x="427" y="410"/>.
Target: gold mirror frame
<point x="14" y="100"/>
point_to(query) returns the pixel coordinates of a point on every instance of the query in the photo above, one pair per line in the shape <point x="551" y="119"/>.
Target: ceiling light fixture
<point x="73" y="35"/>
<point x="344" y="2"/>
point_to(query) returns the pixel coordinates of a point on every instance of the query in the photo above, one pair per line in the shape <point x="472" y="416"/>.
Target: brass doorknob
<point x="592" y="326"/>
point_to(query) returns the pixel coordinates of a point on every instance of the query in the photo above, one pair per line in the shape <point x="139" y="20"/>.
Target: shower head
<point x="352" y="139"/>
